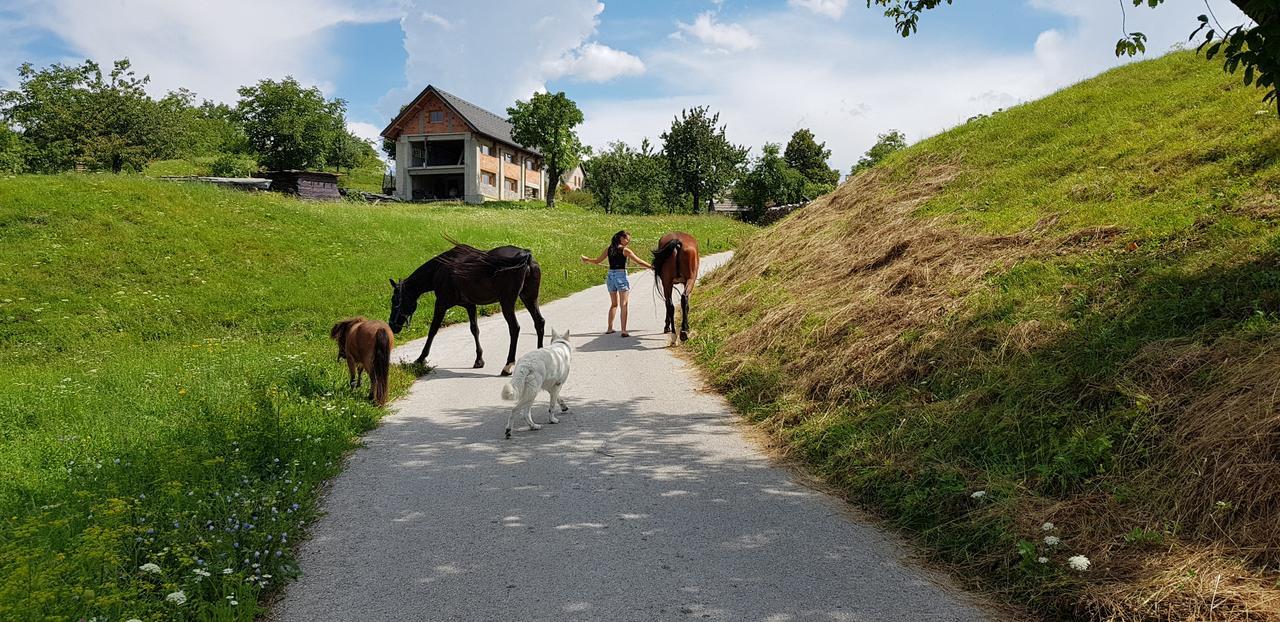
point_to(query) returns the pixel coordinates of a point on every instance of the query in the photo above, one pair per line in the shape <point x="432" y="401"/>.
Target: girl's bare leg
<point x="623" y="298"/>
<point x="613" y="308"/>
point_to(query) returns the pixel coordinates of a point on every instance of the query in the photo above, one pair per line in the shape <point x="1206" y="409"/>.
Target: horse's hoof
<point x="506" y="371"/>
<point x="684" y="336"/>
<point x="553" y="420"/>
<point x="508" y="433"/>
<point x="564" y="409"/>
<point x="420" y="360"/>
<point x="535" y="427"/>
<point x="478" y="365"/>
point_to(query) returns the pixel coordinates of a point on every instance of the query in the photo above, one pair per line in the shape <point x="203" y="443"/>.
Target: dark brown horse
<point x="675" y="262"/>
<point x="466" y="277"/>
<point x="366" y="347"/>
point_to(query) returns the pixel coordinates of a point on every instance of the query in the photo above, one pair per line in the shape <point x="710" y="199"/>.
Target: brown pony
<point x="675" y="262"/>
<point x="366" y="346"/>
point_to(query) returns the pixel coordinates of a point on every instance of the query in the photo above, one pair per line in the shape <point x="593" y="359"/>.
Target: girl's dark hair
<point x="616" y="243"/>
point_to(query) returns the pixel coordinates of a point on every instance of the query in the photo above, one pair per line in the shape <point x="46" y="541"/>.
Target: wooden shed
<point x="306" y="184"/>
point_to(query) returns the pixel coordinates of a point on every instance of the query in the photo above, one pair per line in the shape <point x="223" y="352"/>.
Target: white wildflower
<point x="234" y="602"/>
<point x="1047" y="527"/>
<point x="150" y="568"/>
<point x="1042" y="559"/>
<point x="133" y="620"/>
<point x="1078" y="562"/>
<point x="1052" y="540"/>
<point x="202" y="573"/>
<point x="176" y="598"/>
<point x="978" y="494"/>
<point x="226" y="571"/>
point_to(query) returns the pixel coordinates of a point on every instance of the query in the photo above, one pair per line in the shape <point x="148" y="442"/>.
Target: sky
<point x="768" y="67"/>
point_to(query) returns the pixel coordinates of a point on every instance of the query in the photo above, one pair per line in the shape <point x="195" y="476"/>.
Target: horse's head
<point x="402" y="307"/>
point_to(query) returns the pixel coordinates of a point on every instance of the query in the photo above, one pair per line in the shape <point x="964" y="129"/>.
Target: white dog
<point x="544" y="369"/>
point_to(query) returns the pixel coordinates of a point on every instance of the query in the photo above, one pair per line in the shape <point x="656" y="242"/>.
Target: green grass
<point x="367" y="177"/>
<point x="170" y="395"/>
<point x="1071" y="425"/>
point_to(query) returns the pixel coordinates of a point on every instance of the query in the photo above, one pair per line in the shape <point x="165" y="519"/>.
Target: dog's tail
<point x="514" y="389"/>
<point x="381" y="365"/>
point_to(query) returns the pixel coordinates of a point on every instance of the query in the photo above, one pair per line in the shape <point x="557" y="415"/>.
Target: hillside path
<point x="646" y="502"/>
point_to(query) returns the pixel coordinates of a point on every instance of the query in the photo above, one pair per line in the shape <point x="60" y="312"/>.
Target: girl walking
<point x="616" y="280"/>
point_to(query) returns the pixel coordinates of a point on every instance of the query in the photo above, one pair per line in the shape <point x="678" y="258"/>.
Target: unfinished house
<point x="450" y="149"/>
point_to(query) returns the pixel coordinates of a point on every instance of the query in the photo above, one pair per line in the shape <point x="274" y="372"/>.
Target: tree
<point x="1254" y="49"/>
<point x="605" y="173"/>
<point x="291" y="127"/>
<point x="546" y="123"/>
<point x="805" y="154"/>
<point x="73" y="114"/>
<point x="769" y="181"/>
<point x="701" y="161"/>
<point x="885" y="145"/>
<point x="12" y="152"/>
<point x="351" y="151"/>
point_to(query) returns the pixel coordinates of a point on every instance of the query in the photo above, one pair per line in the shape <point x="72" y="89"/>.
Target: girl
<point x="616" y="280"/>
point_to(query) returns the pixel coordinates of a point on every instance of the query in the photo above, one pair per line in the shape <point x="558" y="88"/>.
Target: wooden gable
<point x="417" y="120"/>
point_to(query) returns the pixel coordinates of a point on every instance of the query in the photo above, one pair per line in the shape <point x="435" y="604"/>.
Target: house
<point x="574" y="179"/>
<point x="449" y="148"/>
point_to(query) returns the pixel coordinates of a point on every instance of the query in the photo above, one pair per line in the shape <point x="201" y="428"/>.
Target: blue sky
<point x="769" y="67"/>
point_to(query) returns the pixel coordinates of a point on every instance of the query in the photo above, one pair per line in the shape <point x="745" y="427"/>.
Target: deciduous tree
<point x="546" y="123"/>
<point x="289" y="126"/>
<point x="805" y="154"/>
<point x="701" y="160"/>
<point x="885" y="145"/>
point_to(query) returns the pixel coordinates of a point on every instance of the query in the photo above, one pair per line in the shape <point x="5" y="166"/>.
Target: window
<point x="486" y="150"/>
<point x="437" y="116"/>
<point x="512" y="184"/>
<point x="530" y="164"/>
<point x="489" y="179"/>
<point x="506" y="156"/>
<point x="530" y="192"/>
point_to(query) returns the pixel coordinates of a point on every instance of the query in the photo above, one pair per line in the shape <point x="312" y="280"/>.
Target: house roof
<point x="481" y="120"/>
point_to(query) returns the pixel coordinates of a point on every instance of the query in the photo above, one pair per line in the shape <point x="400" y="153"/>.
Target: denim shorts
<point x="616" y="281"/>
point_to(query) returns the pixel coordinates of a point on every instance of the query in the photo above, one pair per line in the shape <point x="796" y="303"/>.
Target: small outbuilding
<point x="306" y="184"/>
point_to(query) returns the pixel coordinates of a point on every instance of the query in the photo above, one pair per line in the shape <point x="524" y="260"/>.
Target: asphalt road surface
<point x="647" y="502"/>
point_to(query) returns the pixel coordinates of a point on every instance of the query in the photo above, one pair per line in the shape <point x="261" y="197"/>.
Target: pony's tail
<point x="381" y="365"/>
<point x="514" y="389"/>
<point x="661" y="256"/>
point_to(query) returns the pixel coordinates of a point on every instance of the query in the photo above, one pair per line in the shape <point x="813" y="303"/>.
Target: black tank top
<point x="617" y="258"/>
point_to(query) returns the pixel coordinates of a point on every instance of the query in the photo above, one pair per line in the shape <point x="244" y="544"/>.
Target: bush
<point x="581" y="198"/>
<point x="231" y="165"/>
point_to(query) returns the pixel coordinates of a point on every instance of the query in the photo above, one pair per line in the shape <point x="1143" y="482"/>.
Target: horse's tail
<point x="514" y="389"/>
<point x="671" y="250"/>
<point x="381" y="365"/>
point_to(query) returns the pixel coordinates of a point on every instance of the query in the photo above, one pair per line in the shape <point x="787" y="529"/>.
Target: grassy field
<point x="1048" y="333"/>
<point x="170" y="395"/>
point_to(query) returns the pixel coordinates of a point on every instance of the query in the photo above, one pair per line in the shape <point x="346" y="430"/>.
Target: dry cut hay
<point x="1185" y="586"/>
<point x="1220" y="405"/>
<point x="859" y="272"/>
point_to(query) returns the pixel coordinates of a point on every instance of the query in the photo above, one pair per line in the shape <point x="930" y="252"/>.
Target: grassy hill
<point x="170" y="395"/>
<point x="1061" y="321"/>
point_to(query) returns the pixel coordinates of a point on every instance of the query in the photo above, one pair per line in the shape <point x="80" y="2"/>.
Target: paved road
<point x="645" y="503"/>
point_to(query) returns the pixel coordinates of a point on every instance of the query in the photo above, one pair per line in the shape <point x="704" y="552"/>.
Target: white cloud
<point x="210" y="48"/>
<point x="594" y="62"/>
<point x="367" y="131"/>
<point x="830" y="8"/>
<point x="848" y="89"/>
<point x="494" y="54"/>
<point x="717" y="35"/>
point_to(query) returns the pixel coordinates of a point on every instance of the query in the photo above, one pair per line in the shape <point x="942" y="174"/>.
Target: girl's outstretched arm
<point x="636" y="258"/>
<point x="597" y="260"/>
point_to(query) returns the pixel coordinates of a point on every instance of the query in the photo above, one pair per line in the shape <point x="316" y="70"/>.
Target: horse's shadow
<point x="465" y="372"/>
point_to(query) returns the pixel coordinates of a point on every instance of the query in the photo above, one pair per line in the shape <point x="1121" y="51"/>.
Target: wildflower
<point x="199" y="572"/>
<point x="1052" y="540"/>
<point x="1047" y="527"/>
<point x="234" y="602"/>
<point x="226" y="571"/>
<point x="133" y="620"/>
<point x="979" y="494"/>
<point x="149" y="568"/>
<point x="1042" y="559"/>
<point x="177" y="597"/>
<point x="1078" y="562"/>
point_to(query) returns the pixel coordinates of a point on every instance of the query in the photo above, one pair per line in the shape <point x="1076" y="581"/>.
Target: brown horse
<point x="675" y="262"/>
<point x="366" y="346"/>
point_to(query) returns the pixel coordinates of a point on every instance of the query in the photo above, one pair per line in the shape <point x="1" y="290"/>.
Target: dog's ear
<point x="566" y="334"/>
<point x="554" y="335"/>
